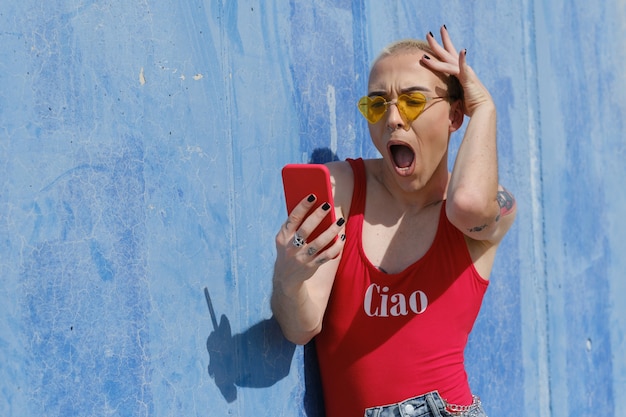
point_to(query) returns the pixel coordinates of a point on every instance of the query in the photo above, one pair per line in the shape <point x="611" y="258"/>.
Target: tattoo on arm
<point x="506" y="201"/>
<point x="477" y="229"/>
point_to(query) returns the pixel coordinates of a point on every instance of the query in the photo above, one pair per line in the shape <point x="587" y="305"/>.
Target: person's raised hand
<point x="451" y="62"/>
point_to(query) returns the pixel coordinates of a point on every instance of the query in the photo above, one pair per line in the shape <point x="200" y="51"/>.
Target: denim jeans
<point x="427" y="405"/>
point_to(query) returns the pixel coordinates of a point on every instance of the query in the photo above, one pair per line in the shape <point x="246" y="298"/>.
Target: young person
<point x="392" y="302"/>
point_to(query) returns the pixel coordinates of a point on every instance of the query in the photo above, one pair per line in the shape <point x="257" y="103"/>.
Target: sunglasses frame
<point x="365" y="102"/>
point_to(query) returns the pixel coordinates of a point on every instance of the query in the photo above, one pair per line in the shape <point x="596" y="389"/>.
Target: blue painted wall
<point x="140" y="153"/>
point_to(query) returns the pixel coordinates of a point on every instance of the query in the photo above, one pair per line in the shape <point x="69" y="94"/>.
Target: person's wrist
<point x="486" y="107"/>
<point x="287" y="287"/>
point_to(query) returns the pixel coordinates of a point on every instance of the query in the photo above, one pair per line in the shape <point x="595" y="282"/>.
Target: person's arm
<point x="303" y="276"/>
<point x="299" y="306"/>
<point x="476" y="203"/>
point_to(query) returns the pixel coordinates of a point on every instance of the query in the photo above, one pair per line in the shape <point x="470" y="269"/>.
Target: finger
<point x="298" y="214"/>
<point x="434" y="45"/>
<point x="440" y="52"/>
<point x="298" y="238"/>
<point x="331" y="252"/>
<point x="314" y="219"/>
<point x="463" y="64"/>
<point x="447" y="42"/>
<point x="441" y="66"/>
<point x="311" y="250"/>
<point x="327" y="240"/>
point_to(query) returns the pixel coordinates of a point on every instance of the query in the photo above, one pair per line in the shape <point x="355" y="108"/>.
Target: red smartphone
<point x="300" y="180"/>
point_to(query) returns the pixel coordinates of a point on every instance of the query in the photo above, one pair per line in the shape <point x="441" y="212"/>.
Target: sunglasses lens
<point x="411" y="105"/>
<point x="372" y="108"/>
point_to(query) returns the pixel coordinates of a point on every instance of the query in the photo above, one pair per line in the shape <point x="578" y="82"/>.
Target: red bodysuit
<point x="389" y="337"/>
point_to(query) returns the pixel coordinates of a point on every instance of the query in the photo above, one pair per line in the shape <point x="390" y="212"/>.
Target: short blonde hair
<point x="455" y="90"/>
<point x="407" y="45"/>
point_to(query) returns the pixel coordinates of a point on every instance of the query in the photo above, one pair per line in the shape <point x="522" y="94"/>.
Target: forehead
<point x="401" y="71"/>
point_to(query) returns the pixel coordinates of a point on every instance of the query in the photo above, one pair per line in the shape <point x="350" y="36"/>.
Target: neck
<point x="417" y="194"/>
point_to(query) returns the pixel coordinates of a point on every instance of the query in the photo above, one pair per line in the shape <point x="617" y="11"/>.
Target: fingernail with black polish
<point x="343" y="237"/>
<point x="431" y="34"/>
<point x="426" y="56"/>
<point x="444" y="26"/>
<point x="311" y="198"/>
<point x="340" y="222"/>
<point x="325" y="206"/>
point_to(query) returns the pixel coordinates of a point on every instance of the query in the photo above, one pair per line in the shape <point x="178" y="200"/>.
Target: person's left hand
<point x="451" y="62"/>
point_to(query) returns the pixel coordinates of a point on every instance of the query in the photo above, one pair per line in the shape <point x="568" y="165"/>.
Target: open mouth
<point x="403" y="156"/>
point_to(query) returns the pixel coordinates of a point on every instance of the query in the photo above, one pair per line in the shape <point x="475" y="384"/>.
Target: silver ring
<point x="298" y="241"/>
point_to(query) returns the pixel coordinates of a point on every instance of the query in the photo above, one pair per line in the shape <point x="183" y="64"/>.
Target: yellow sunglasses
<point x="410" y="106"/>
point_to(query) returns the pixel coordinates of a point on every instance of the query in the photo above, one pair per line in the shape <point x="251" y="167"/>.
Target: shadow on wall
<point x="261" y="356"/>
<point x="256" y="358"/>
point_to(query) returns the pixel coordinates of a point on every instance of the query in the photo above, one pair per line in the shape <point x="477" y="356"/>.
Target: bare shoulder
<point x="339" y="169"/>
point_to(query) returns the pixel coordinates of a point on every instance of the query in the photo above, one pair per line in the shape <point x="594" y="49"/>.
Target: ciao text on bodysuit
<point x="378" y="302"/>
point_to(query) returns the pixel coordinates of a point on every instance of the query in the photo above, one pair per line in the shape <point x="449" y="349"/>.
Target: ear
<point x="456" y="116"/>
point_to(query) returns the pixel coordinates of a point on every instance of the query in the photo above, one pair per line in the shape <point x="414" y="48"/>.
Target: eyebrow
<point x="402" y="91"/>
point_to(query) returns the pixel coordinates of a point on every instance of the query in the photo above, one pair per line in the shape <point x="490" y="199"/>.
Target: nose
<point x="394" y="117"/>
